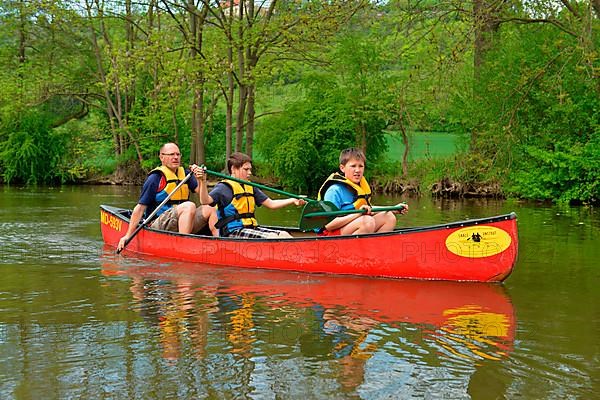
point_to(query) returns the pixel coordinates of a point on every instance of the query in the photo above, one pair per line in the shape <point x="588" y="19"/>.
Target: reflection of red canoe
<point x="480" y="312"/>
<point x="475" y="250"/>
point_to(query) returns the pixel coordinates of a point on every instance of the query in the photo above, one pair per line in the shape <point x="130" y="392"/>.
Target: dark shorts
<point x="258" y="232"/>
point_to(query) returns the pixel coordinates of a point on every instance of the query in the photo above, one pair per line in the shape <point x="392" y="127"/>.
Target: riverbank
<point x="444" y="188"/>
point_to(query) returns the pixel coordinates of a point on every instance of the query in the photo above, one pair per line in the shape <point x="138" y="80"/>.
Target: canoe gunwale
<point x="118" y="212"/>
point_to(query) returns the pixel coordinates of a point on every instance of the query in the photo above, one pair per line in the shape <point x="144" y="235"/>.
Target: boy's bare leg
<point x="384" y="221"/>
<point x="361" y="225"/>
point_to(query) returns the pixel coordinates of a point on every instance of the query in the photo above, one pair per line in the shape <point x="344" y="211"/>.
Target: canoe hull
<point x="483" y="250"/>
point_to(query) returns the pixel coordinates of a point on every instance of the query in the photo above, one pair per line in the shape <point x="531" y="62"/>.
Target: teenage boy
<point x="349" y="190"/>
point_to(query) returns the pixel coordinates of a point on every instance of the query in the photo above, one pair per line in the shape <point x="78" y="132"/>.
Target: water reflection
<point x="357" y="336"/>
<point x="177" y="309"/>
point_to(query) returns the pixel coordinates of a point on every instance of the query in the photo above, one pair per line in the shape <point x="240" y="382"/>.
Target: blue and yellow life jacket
<point x="362" y="192"/>
<point x="183" y="193"/>
<point x="240" y="212"/>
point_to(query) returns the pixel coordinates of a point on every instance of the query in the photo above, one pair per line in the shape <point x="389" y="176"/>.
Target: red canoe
<point x="483" y="250"/>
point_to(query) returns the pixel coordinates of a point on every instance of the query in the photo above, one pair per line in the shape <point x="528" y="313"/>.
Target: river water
<point x="78" y="321"/>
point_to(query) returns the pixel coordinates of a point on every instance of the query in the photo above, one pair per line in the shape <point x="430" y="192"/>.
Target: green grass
<point x="423" y="145"/>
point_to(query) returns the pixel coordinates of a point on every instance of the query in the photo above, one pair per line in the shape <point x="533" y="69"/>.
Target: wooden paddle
<point x="149" y="218"/>
<point x="313" y="218"/>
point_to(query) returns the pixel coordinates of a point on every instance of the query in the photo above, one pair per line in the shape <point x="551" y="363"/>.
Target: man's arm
<point x="136" y="217"/>
<point x="202" y="188"/>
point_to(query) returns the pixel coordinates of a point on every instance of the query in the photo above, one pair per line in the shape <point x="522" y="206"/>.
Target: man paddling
<point x="179" y="214"/>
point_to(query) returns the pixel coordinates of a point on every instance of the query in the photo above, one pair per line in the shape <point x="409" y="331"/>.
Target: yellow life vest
<point x="183" y="193"/>
<point x="240" y="212"/>
<point x="362" y="192"/>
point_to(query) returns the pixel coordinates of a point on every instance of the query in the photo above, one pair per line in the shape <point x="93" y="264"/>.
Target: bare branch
<point x="552" y="21"/>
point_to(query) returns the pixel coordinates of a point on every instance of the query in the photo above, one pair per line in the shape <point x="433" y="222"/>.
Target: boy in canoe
<point x="237" y="202"/>
<point x="179" y="214"/>
<point x="349" y="190"/>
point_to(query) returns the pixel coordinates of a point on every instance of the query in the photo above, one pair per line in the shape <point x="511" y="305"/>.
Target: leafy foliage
<point x="537" y="116"/>
<point x="301" y="142"/>
<point x="32" y="151"/>
<point x="530" y="109"/>
<point x="565" y="173"/>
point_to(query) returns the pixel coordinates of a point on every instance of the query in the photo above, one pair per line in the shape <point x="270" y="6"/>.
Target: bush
<point x="32" y="151"/>
<point x="302" y="144"/>
<point x="564" y="173"/>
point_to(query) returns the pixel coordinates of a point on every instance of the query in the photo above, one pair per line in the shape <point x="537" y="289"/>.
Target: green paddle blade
<point x="313" y="222"/>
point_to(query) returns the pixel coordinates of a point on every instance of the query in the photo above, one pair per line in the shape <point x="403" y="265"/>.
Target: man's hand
<point x="121" y="244"/>
<point x="199" y="172"/>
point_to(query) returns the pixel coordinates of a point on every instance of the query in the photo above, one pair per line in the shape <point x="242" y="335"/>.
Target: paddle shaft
<point x="344" y="212"/>
<point x="149" y="218"/>
<point x="258" y="185"/>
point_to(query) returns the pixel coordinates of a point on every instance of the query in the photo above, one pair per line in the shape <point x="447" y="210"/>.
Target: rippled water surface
<point x="79" y="321"/>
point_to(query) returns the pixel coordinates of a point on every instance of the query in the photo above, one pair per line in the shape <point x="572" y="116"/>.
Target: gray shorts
<point x="168" y="221"/>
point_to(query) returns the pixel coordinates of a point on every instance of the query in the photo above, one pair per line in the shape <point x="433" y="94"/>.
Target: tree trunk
<point x="241" y="114"/>
<point x="250" y="120"/>
<point x="22" y="44"/>
<point x="242" y="90"/>
<point x="130" y="37"/>
<point x="198" y="142"/>
<point x="252" y="61"/>
<point x="361" y="137"/>
<point x="197" y="153"/>
<point x="229" y="107"/>
<point x="486" y="23"/>
<point x="174" y="122"/>
<point x="406" y="150"/>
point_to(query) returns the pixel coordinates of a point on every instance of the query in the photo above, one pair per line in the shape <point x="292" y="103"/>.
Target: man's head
<point x="352" y="164"/>
<point x="170" y="156"/>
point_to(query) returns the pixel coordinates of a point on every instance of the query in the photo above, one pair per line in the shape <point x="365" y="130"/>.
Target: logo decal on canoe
<point x="478" y="241"/>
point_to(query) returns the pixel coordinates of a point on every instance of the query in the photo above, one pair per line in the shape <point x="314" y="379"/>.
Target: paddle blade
<point x="313" y="222"/>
